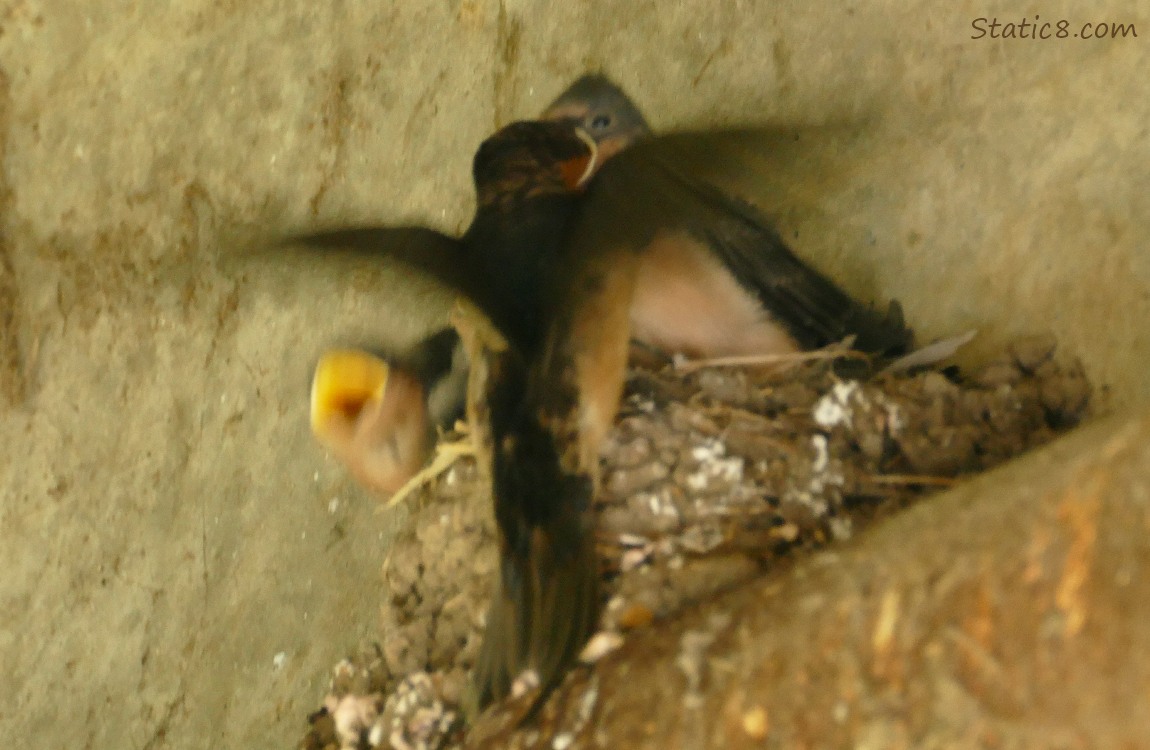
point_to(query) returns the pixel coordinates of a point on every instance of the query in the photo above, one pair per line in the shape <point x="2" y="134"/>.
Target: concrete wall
<point x="167" y="526"/>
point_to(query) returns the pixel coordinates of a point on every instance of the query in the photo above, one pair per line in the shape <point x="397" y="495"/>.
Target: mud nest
<point x="710" y="477"/>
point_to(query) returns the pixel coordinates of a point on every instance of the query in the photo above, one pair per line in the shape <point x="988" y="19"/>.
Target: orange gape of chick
<point x="366" y="419"/>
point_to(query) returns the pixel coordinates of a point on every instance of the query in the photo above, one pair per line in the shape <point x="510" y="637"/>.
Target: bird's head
<point x="531" y="158"/>
<point x="372" y="416"/>
<point x="595" y="104"/>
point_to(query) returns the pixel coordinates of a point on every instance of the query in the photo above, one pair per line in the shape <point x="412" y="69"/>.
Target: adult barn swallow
<point x="719" y="281"/>
<point x="513" y="265"/>
<point x="373" y="413"/>
<point x="533" y="399"/>
<point x="569" y="269"/>
<point x="523" y="408"/>
<point x="549" y="398"/>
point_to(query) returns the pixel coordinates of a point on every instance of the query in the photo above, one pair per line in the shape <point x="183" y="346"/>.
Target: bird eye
<point x="600" y="122"/>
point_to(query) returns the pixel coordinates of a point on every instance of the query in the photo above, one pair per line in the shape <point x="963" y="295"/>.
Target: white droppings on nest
<point x="825" y="477"/>
<point x="834" y="408"/>
<point x="661" y="503"/>
<point x="634" y="557"/>
<point x="708" y="451"/>
<point x="894" y="420"/>
<point x="527" y="680"/>
<point x="822" y="455"/>
<point x="788" y="532"/>
<point x="713" y="464"/>
<point x="841" y="527"/>
<point x="414" y="718"/>
<point x="846" y="402"/>
<point x="825" y="472"/>
<point x="645" y="405"/>
<point x="818" y="505"/>
<point x="701" y="538"/>
<point x="633" y="540"/>
<point x="730" y="469"/>
<point x="354" y="715"/>
<point x="601" y="644"/>
<point x="590" y="697"/>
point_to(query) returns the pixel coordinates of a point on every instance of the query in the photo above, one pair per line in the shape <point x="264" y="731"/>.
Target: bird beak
<point x="345" y="382"/>
<point x="577" y="172"/>
<point x="371" y="416"/>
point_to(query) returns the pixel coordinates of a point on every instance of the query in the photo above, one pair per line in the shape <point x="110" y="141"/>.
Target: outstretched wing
<point x="653" y="188"/>
<point x="433" y="254"/>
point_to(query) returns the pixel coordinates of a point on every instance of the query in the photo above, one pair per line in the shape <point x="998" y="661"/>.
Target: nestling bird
<point x="379" y="415"/>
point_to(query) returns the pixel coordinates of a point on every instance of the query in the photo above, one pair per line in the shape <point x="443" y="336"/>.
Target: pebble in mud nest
<point x="708" y="477"/>
<point x="357" y="716"/>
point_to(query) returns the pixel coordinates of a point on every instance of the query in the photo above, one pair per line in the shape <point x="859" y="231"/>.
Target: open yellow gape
<point x="345" y="381"/>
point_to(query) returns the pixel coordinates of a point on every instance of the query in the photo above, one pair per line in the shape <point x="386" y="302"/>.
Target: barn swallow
<point x="548" y="398"/>
<point x="603" y="111"/>
<point x="357" y="430"/>
<point x="529" y="179"/>
<point x="569" y="268"/>
<point x="380" y="416"/>
<point x="719" y="281"/>
<point x="524" y="403"/>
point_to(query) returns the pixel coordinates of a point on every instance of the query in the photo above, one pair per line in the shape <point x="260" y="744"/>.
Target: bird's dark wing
<point x="444" y="259"/>
<point x="546" y="598"/>
<point x="549" y="412"/>
<point x="548" y="406"/>
<point x="546" y="602"/>
<point x="417" y="245"/>
<point x="531" y="415"/>
<point x="515" y="249"/>
<point x="653" y="189"/>
<point x="814" y="310"/>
